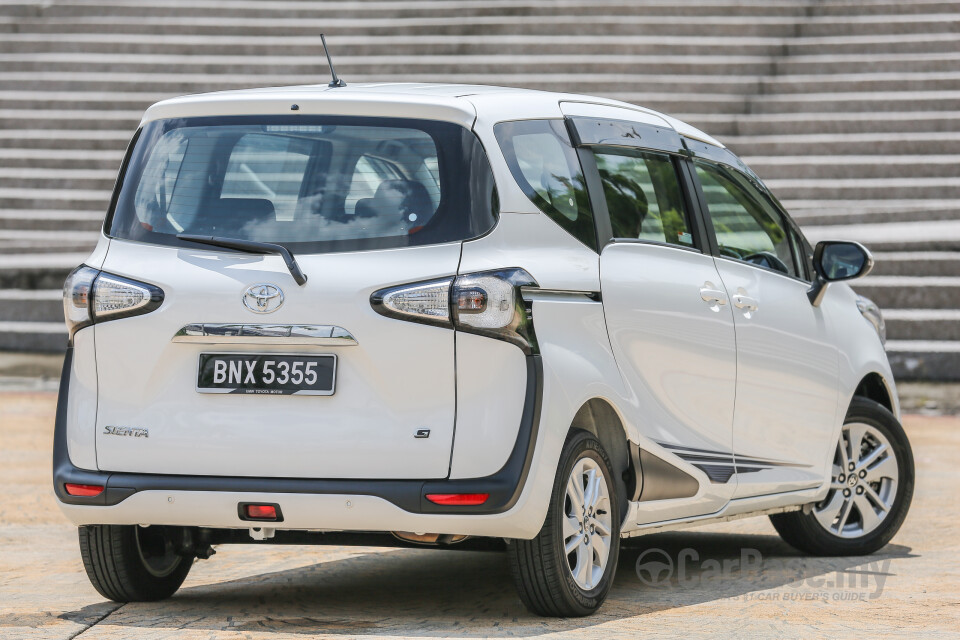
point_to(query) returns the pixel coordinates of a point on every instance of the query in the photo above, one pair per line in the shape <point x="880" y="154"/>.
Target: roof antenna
<point x="336" y="82"/>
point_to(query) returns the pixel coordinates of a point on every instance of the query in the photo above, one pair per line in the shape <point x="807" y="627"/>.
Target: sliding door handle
<point x="745" y="302"/>
<point x="708" y="293"/>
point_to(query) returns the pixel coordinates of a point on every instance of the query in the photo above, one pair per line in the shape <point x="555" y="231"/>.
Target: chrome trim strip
<point x="269" y="334"/>
<point x="534" y="293"/>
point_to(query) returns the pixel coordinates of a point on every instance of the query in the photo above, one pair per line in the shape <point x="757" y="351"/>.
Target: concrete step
<point x="924" y="360"/>
<point x="556" y="25"/>
<point x="841" y="143"/>
<point x="868" y="62"/>
<point x="56" y="238"/>
<point x="42" y="337"/>
<point x="857" y="101"/>
<point x="48" y="179"/>
<point x="911" y="292"/>
<point x="348" y="46"/>
<point x="922" y="324"/>
<point x="853" y="167"/>
<point x="329" y="9"/>
<point x="850" y="82"/>
<point x="879" y="23"/>
<point x="570" y="81"/>
<point x="80" y="100"/>
<point x="27" y="305"/>
<point x="824" y="123"/>
<point x="390" y="63"/>
<point x="51" y="220"/>
<point x="855" y="188"/>
<point x="54" y="159"/>
<point x="38" y="271"/>
<point x="913" y="211"/>
<point x="917" y="263"/>
<point x="100" y="119"/>
<point x="936" y="235"/>
<point x="47" y="199"/>
<point x="80" y="139"/>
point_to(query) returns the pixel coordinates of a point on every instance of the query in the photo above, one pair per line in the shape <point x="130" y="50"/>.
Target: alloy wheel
<point x="587" y="523"/>
<point x="864" y="483"/>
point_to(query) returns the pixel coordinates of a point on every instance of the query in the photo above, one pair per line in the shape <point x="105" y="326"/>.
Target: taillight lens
<point x="77" y="294"/>
<point x="426" y="302"/>
<point x="489" y="303"/>
<point x="91" y="296"/>
<point x="114" y="296"/>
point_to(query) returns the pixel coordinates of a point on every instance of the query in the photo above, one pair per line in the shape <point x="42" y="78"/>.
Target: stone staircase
<point x="849" y="109"/>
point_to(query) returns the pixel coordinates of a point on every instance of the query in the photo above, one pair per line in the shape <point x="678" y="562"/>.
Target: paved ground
<point x="912" y="588"/>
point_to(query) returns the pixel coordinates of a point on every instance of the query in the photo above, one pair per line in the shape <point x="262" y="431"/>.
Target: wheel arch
<point x="873" y="386"/>
<point x="599" y="417"/>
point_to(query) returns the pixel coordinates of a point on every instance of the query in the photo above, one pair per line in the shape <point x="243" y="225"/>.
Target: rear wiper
<point x="249" y="246"/>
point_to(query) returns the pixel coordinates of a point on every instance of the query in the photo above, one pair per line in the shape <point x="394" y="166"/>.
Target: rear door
<point x="363" y="205"/>
<point x="667" y="316"/>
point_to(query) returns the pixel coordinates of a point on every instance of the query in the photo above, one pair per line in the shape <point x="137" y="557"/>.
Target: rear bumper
<point x="130" y="498"/>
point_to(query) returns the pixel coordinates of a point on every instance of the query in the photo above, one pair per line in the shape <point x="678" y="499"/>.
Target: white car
<point x="460" y="316"/>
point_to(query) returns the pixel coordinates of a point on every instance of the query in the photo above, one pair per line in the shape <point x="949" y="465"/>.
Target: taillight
<point x="489" y="303"/>
<point x="91" y="296"/>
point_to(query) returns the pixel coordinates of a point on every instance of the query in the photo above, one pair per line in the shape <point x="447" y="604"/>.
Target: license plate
<point x="267" y="374"/>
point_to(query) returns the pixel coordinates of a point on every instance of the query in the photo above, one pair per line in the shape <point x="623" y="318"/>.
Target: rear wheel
<point x="870" y="490"/>
<point x="131" y="563"/>
<point x="568" y="568"/>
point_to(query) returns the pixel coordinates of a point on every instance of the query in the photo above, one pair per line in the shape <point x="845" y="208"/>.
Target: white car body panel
<point x="785" y="412"/>
<point x="626" y="326"/>
<point x="377" y="407"/>
<point x="677" y="355"/>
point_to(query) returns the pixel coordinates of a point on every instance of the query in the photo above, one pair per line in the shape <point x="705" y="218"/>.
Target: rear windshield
<point x="314" y="184"/>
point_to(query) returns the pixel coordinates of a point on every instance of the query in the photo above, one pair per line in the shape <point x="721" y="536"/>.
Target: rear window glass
<point x="313" y="184"/>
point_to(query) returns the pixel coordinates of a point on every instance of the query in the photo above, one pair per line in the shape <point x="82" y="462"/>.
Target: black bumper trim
<point x="504" y="486"/>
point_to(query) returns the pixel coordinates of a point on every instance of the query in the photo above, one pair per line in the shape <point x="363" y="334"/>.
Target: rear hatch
<point x="243" y="372"/>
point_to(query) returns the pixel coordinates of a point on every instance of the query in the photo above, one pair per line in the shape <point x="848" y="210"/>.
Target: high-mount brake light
<point x="91" y="296"/>
<point x="488" y="303"/>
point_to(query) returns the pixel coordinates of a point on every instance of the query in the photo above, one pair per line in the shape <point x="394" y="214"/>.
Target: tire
<point x="805" y="530"/>
<point x="541" y="569"/>
<point x="131" y="563"/>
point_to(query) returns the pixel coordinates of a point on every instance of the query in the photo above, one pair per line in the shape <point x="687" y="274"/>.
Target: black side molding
<point x="504" y="486"/>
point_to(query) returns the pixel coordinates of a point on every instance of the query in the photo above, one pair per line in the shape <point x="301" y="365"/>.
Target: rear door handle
<point x="710" y="294"/>
<point x="745" y="302"/>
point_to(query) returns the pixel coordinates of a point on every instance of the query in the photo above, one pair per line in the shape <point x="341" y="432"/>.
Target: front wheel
<point x="870" y="489"/>
<point x="128" y="563"/>
<point x="568" y="568"/>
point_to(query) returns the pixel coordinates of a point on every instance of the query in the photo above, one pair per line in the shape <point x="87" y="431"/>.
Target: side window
<point x="269" y="168"/>
<point x="643" y="197"/>
<point x="747" y="226"/>
<point x="546" y="167"/>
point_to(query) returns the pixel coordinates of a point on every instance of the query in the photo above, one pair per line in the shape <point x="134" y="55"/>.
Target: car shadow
<point x="471" y="593"/>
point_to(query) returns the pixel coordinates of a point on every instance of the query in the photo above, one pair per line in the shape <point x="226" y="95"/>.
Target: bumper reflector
<point x="458" y="499"/>
<point x="84" y="490"/>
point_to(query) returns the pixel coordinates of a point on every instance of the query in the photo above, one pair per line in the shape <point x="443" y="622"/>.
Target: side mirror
<point x="835" y="261"/>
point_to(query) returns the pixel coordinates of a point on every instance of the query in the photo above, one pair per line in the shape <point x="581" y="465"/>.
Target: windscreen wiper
<point x="249" y="246"/>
